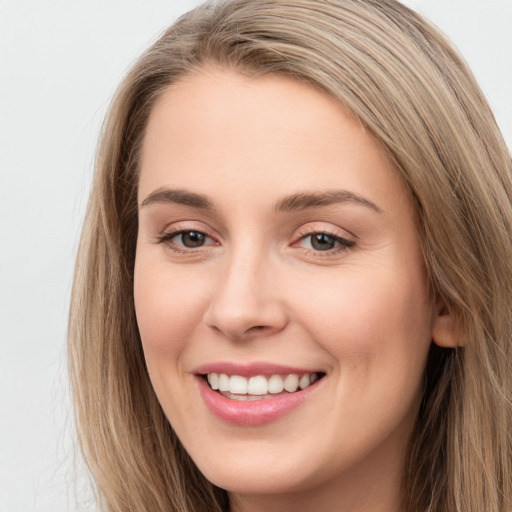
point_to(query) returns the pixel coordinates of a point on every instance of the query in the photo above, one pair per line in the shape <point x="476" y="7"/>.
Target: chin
<point x="257" y="480"/>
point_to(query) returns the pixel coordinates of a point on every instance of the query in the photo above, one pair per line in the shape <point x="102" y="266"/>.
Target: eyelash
<point x="167" y="238"/>
<point x="343" y="243"/>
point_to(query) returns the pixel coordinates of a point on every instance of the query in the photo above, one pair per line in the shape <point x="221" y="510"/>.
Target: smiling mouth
<point x="259" y="387"/>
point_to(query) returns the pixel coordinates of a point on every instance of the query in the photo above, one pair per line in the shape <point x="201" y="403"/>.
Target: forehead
<point x="262" y="136"/>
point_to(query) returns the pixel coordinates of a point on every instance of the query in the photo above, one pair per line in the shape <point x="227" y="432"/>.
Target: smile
<point x="258" y="387"/>
<point x="255" y="394"/>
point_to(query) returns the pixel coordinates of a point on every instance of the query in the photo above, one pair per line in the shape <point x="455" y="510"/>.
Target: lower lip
<point x="253" y="412"/>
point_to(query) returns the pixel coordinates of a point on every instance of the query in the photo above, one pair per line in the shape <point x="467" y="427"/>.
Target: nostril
<point x="258" y="328"/>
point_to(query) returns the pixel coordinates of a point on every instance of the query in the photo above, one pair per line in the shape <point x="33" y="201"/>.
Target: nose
<point x="247" y="300"/>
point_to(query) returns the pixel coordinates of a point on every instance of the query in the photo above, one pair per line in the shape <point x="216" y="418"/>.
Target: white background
<point x="60" y="62"/>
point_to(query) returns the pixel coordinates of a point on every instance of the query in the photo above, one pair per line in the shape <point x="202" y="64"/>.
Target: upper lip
<point x="251" y="369"/>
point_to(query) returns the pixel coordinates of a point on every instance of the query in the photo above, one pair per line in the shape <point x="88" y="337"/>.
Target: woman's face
<point x="277" y="247"/>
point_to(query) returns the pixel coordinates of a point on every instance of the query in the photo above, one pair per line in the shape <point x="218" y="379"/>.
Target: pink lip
<point x="254" y="412"/>
<point x="249" y="370"/>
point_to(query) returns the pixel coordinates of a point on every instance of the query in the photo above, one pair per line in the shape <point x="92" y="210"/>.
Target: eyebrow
<point x="304" y="201"/>
<point x="178" y="196"/>
<point x="294" y="202"/>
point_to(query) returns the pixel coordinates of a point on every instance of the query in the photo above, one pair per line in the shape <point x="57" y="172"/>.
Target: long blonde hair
<point x="413" y="92"/>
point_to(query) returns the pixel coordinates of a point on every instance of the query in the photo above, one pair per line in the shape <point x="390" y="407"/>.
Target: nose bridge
<point x="246" y="299"/>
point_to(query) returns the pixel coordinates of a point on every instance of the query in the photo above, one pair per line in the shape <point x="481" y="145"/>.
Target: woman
<point x="294" y="285"/>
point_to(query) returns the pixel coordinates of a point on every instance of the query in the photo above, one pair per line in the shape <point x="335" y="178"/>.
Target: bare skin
<point x="273" y="229"/>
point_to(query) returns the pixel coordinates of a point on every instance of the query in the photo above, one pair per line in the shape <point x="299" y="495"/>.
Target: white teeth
<point x="304" y="381"/>
<point x="213" y="380"/>
<point x="291" y="383"/>
<point x="238" y="385"/>
<point x="260" y="385"/>
<point x="275" y="384"/>
<point x="223" y="382"/>
<point x="257" y="386"/>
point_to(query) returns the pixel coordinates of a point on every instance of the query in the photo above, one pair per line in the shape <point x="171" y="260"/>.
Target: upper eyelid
<point x="166" y="239"/>
<point x="170" y="231"/>
<point x="174" y="232"/>
<point x="303" y="231"/>
<point x="333" y="231"/>
<point x="186" y="225"/>
<point x="343" y="241"/>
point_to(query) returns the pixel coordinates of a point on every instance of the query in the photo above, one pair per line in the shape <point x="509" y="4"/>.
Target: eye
<point x="190" y="239"/>
<point x="324" y="242"/>
<point x="185" y="239"/>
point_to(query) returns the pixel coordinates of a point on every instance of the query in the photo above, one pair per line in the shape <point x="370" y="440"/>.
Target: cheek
<point x="376" y="329"/>
<point x="374" y="324"/>
<point x="168" y="308"/>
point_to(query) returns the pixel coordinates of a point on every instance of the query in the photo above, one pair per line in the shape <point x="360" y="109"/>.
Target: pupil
<point x="322" y="242"/>
<point x="192" y="239"/>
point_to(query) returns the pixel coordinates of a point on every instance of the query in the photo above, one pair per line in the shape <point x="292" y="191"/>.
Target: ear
<point x="444" y="330"/>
